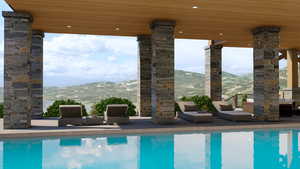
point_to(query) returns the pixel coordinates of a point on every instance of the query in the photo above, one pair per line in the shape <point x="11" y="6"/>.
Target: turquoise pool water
<point x="228" y="150"/>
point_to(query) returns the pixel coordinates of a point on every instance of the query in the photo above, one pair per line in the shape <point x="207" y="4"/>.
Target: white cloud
<point x="81" y="59"/>
<point x="189" y="54"/>
<point x="75" y="59"/>
<point x="111" y="58"/>
<point x="124" y="45"/>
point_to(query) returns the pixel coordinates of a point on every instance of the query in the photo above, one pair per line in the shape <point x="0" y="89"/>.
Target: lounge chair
<point x="227" y="112"/>
<point x="287" y="107"/>
<point x="72" y="115"/>
<point x="190" y="112"/>
<point x="116" y="113"/>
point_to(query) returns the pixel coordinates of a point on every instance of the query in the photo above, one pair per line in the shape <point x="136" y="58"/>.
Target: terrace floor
<point x="138" y="125"/>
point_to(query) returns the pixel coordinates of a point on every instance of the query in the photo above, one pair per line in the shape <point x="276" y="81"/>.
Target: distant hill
<point x="186" y="84"/>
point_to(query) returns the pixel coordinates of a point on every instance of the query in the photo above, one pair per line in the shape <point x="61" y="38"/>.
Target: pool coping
<point x="30" y="133"/>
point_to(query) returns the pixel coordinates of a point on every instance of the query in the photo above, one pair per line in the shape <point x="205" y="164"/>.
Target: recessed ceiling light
<point x="68" y="26"/>
<point x="221" y="34"/>
<point x="181" y="32"/>
<point x="195" y="7"/>
<point x="117" y="28"/>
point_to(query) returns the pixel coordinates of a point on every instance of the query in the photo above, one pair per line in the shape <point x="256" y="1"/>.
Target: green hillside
<point x="186" y="84"/>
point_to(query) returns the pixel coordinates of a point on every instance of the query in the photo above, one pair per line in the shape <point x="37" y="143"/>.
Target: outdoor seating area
<point x="190" y="112"/>
<point x="226" y="111"/>
<point x="116" y="113"/>
<point x="154" y="84"/>
<point x="72" y="115"/>
<point x="155" y="97"/>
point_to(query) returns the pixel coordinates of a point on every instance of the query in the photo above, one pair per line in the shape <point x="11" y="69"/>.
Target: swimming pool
<point x="226" y="150"/>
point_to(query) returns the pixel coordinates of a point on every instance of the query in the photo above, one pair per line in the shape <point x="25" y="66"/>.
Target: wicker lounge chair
<point x="227" y="112"/>
<point x="72" y="115"/>
<point x="190" y="112"/>
<point x="116" y="113"/>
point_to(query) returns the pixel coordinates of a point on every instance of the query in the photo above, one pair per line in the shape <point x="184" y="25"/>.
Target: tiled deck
<point x="48" y="128"/>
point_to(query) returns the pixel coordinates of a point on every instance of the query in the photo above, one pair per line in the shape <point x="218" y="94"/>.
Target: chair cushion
<point x="117" y="110"/>
<point x="197" y="114"/>
<point x="189" y="107"/>
<point x="70" y="111"/>
<point x="226" y="107"/>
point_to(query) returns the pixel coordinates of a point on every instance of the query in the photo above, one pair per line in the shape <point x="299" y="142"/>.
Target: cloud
<point x="77" y="59"/>
<point x="82" y="59"/>
<point x="189" y="54"/>
<point x="92" y="152"/>
<point x="121" y="45"/>
<point x="111" y="58"/>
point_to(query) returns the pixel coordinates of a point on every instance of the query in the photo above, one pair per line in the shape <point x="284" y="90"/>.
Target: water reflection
<point x="22" y="154"/>
<point x="156" y="152"/>
<point x="228" y="150"/>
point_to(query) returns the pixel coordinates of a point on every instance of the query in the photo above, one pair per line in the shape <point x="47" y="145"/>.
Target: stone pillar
<point x="144" y="75"/>
<point x="36" y="73"/>
<point x="213" y="72"/>
<point x="17" y="51"/>
<point x="292" y="75"/>
<point x="163" y="99"/>
<point x="266" y="73"/>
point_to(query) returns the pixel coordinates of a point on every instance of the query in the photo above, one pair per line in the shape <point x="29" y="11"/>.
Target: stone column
<point x="144" y="75"/>
<point x="163" y="71"/>
<point x="213" y="72"/>
<point x="17" y="51"/>
<point x="266" y="73"/>
<point x="36" y="73"/>
<point x="292" y="75"/>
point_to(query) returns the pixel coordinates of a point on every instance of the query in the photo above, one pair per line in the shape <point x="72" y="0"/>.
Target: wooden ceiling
<point x="228" y="20"/>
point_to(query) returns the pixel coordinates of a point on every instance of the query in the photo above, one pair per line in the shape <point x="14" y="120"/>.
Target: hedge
<point x="203" y="102"/>
<point x="1" y="110"/>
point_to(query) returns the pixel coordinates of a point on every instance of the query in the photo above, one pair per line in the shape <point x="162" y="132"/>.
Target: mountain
<point x="186" y="84"/>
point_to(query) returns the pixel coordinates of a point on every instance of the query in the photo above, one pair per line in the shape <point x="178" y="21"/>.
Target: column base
<point x="263" y="118"/>
<point x="36" y="116"/>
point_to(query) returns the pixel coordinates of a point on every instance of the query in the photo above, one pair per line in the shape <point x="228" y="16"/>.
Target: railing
<point x="238" y="99"/>
<point x="285" y="94"/>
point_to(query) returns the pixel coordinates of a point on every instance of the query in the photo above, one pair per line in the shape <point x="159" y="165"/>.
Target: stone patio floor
<point x="138" y="125"/>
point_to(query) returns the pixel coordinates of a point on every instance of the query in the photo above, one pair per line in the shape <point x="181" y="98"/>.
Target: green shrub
<point x="1" y="110"/>
<point x="203" y="102"/>
<point x="244" y="98"/>
<point x="53" y="110"/>
<point x="100" y="107"/>
<point x="177" y="108"/>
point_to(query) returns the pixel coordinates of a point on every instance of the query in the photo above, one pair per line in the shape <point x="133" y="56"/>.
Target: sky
<point x="78" y="59"/>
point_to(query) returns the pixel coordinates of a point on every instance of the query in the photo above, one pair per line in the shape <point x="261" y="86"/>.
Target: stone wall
<point x="266" y="73"/>
<point x="144" y="75"/>
<point x="163" y="99"/>
<point x="36" y="74"/>
<point x="17" y="51"/>
<point x="213" y="72"/>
